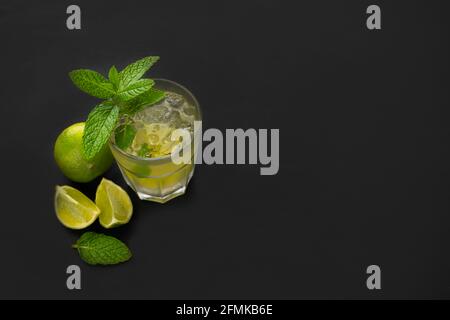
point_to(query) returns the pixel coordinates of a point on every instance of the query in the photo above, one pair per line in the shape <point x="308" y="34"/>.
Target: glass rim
<point x="133" y="157"/>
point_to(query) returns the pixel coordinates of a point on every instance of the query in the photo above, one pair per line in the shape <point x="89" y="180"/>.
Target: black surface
<point x="363" y="118"/>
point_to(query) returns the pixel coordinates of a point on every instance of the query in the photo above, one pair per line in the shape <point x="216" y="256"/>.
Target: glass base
<point x="158" y="196"/>
<point x="164" y="199"/>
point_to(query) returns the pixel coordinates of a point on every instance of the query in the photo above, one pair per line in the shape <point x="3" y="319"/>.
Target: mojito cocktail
<point x="146" y="162"/>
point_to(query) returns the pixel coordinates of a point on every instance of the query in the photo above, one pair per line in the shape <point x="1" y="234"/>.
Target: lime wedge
<point x="114" y="203"/>
<point x="73" y="209"/>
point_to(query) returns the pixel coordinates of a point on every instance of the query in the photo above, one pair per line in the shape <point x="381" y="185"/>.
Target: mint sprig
<point x="99" y="249"/>
<point x="124" y="92"/>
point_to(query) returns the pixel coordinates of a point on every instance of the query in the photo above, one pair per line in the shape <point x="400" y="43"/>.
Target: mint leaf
<point x="144" y="151"/>
<point x="135" y="89"/>
<point x="136" y="70"/>
<point x="149" y="97"/>
<point x="124" y="136"/>
<point x="114" y="77"/>
<point x="99" y="249"/>
<point x="92" y="83"/>
<point x="98" y="128"/>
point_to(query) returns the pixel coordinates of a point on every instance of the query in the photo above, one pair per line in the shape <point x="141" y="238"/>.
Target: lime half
<point x="114" y="203"/>
<point x="73" y="209"/>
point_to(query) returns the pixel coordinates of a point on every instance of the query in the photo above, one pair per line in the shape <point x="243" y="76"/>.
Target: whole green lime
<point x="69" y="156"/>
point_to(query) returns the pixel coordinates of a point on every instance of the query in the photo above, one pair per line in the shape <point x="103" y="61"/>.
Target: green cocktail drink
<point x="146" y="163"/>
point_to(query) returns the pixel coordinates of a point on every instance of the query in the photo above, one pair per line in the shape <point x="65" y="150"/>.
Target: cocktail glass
<point x="147" y="165"/>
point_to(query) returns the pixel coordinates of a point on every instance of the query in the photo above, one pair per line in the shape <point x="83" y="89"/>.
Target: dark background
<point x="364" y="152"/>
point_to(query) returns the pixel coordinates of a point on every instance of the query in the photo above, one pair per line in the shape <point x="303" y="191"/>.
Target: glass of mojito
<point x="146" y="163"/>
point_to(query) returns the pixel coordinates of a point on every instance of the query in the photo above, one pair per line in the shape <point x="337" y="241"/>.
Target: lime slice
<point x="114" y="203"/>
<point x="73" y="209"/>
